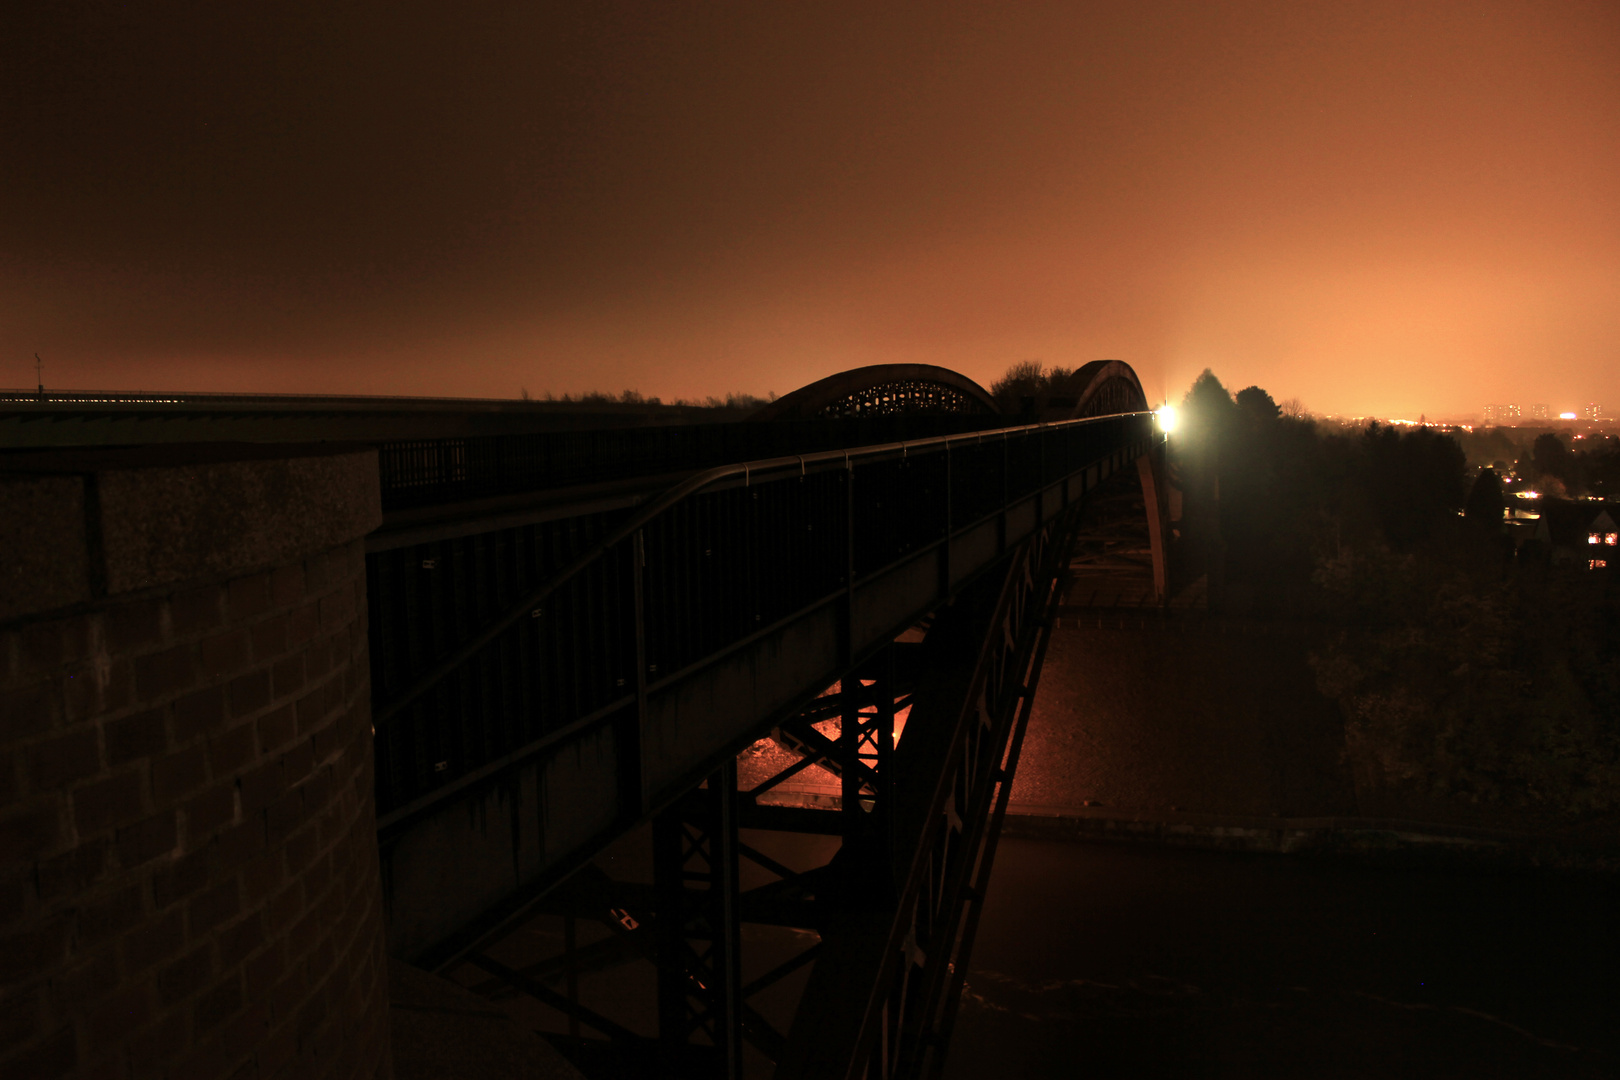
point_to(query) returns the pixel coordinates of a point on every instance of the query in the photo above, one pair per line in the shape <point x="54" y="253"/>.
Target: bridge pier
<point x="699" y="955"/>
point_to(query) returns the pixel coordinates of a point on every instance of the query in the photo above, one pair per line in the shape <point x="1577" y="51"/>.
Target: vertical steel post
<point x="945" y="548"/>
<point x="571" y="959"/>
<point x="727" y="965"/>
<point x="669" y="894"/>
<point x="849" y="755"/>
<point x="846" y="647"/>
<point x="695" y="887"/>
<point x="629" y="733"/>
<point x="883" y="789"/>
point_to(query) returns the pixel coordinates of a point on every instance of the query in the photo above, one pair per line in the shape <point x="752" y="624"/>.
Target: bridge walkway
<point x="545" y="685"/>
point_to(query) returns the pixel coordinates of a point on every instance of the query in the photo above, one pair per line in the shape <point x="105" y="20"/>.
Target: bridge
<point x="577" y="630"/>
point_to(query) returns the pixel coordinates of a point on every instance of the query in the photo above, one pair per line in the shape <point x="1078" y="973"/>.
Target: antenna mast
<point x="39" y="375"/>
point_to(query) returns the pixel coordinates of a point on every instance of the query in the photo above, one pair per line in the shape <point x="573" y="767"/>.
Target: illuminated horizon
<point x="1380" y="209"/>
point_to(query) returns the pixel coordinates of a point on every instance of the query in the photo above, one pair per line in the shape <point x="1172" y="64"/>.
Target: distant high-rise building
<point x="1501" y="414"/>
<point x="1593" y="411"/>
<point x="1539" y="412"/>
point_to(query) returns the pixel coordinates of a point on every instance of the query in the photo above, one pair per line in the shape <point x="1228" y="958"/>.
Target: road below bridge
<point x="1104" y="960"/>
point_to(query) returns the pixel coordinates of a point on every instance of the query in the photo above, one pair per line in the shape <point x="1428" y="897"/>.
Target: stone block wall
<point x="188" y="859"/>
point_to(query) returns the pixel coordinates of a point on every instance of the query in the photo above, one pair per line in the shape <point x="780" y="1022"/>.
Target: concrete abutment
<point x="188" y="861"/>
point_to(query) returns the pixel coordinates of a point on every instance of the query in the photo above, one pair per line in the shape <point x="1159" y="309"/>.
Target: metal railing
<point x="487" y="647"/>
<point x="418" y="472"/>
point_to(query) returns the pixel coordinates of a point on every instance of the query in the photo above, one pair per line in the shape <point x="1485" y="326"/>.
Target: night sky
<point x="1377" y="207"/>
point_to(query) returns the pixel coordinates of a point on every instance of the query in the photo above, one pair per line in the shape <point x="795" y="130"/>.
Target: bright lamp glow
<point x="1166" y="415"/>
<point x="1566" y="416"/>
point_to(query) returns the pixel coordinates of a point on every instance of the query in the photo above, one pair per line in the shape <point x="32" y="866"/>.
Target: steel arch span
<point x="1105" y="387"/>
<point x="883" y="389"/>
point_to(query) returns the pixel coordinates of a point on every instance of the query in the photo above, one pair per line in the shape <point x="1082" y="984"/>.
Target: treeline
<point x="1559" y="468"/>
<point x="1561" y="461"/>
<point x="1464" y="667"/>
<point x="737" y="403"/>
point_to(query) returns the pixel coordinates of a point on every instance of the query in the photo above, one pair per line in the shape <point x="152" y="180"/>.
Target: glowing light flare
<point x="1567" y="416"/>
<point x="1166" y="416"/>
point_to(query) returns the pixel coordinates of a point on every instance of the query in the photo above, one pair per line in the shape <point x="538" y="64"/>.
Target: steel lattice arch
<point x="883" y="390"/>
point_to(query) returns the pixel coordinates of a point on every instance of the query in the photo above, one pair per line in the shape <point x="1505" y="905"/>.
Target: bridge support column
<point x="865" y="764"/>
<point x="699" y="944"/>
<point x="881" y="999"/>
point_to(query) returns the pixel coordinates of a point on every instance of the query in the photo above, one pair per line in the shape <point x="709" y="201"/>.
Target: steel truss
<point x="896" y="908"/>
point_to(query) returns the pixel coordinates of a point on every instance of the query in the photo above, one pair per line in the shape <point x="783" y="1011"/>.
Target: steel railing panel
<point x="716" y="566"/>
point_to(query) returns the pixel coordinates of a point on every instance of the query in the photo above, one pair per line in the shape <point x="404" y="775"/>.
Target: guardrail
<point x="420" y="472"/>
<point x="489" y="648"/>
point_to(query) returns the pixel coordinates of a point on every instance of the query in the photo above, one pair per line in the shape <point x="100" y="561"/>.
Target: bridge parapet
<point x="189" y="880"/>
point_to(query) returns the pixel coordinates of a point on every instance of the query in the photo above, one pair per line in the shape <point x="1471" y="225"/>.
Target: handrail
<point x="690" y="486"/>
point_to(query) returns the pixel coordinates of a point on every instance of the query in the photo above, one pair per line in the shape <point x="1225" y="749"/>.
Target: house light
<point x="1611" y="538"/>
<point x="1597" y="564"/>
<point x="1593" y="538"/>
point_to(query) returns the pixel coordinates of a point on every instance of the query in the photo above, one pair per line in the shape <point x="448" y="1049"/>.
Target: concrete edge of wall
<point x="81" y="526"/>
<point x="1383" y="841"/>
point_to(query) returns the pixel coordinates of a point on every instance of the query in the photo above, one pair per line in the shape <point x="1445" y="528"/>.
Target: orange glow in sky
<point x="1380" y="208"/>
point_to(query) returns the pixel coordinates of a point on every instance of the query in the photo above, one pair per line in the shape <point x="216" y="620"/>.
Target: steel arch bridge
<point x="883" y="390"/>
<point x="1105" y="387"/>
<point x="572" y="642"/>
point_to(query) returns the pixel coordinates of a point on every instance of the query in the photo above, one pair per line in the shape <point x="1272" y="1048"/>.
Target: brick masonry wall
<point x="188" y="859"/>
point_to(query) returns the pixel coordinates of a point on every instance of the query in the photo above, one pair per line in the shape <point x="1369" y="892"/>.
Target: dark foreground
<point x="1098" y="960"/>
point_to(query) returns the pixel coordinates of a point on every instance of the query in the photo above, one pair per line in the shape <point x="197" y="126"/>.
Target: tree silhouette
<point x="1485" y="503"/>
<point x="1027" y="384"/>
<point x="1550" y="456"/>
<point x="1256" y="406"/>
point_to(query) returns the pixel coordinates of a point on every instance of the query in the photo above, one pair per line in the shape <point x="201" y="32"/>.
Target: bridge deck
<point x="547" y="683"/>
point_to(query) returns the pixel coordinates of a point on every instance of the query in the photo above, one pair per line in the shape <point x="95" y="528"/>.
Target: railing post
<point x="945" y="548"/>
<point x="846" y="647"/>
<point x="630" y="735"/>
<point x="1001" y="517"/>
